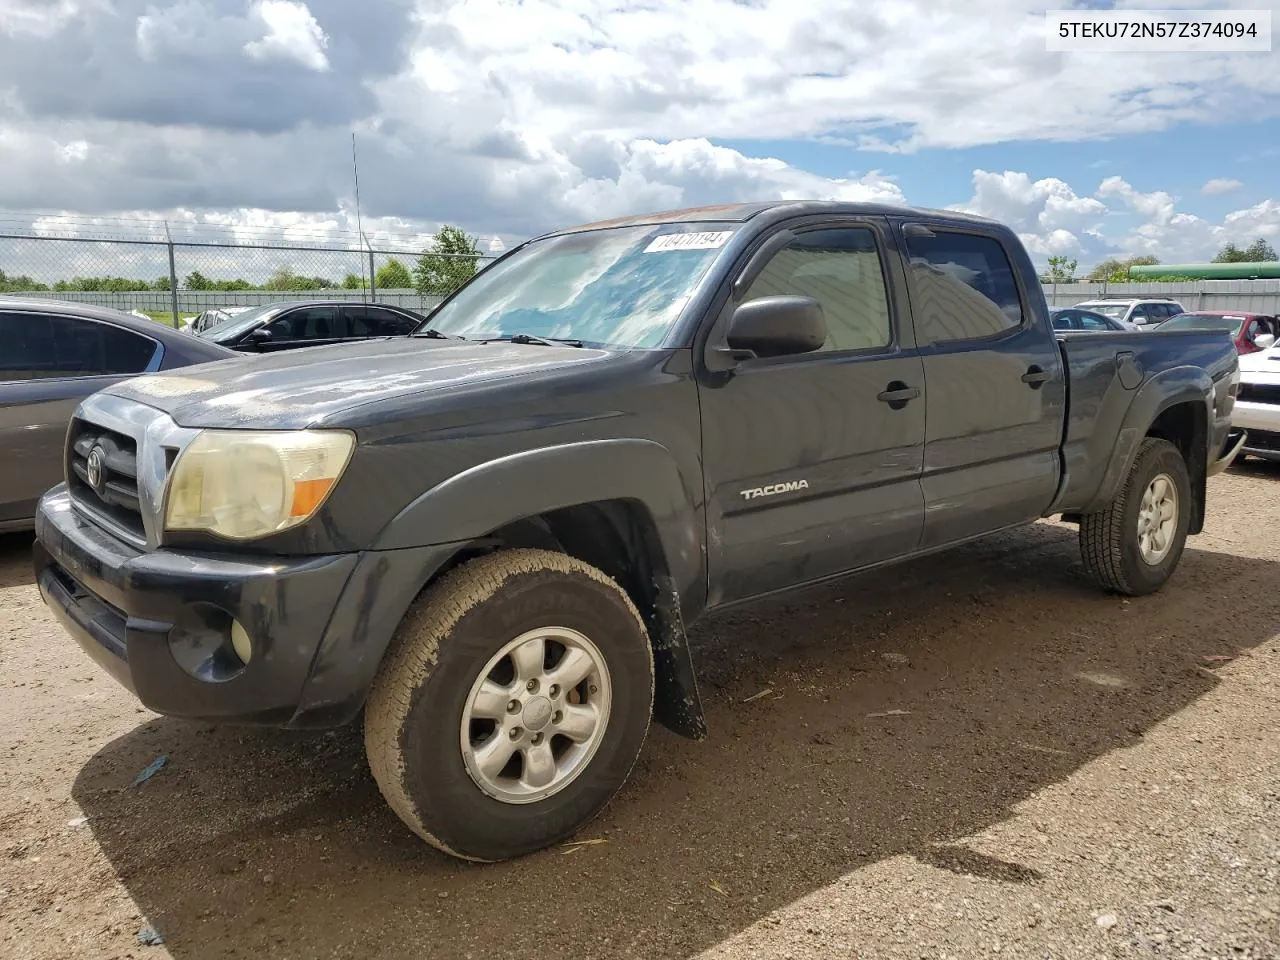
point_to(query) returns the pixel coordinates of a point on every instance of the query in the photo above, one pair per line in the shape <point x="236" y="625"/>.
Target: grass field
<point x="166" y="316"/>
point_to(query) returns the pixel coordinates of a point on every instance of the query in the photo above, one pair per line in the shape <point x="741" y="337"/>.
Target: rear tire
<point x="1133" y="545"/>
<point x="512" y="705"/>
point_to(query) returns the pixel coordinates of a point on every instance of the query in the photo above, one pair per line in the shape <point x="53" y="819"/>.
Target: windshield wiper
<point x="437" y="335"/>
<point x="534" y="338"/>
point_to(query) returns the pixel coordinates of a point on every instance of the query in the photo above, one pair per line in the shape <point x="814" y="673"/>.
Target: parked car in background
<point x="208" y="318"/>
<point x="1257" y="409"/>
<point x="310" y="323"/>
<point x="1073" y="318"/>
<point x="1250" y="332"/>
<point x="52" y="356"/>
<point x="1134" y="314"/>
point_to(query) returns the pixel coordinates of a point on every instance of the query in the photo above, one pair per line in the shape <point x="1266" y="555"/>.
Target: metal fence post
<point x="173" y="276"/>
<point x="373" y="284"/>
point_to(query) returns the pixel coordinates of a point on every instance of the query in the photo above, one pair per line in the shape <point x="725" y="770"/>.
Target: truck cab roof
<point x="774" y="210"/>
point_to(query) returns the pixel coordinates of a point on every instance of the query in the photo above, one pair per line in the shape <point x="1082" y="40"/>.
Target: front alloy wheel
<point x="536" y="715"/>
<point x="512" y="704"/>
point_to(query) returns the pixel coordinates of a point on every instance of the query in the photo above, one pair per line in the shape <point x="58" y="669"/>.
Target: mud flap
<point x="676" y="702"/>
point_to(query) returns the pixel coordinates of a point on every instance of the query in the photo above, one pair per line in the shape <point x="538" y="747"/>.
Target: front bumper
<point x="319" y="625"/>
<point x="1262" y="420"/>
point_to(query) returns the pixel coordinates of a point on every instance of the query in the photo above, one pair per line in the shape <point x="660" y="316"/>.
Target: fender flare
<point x="488" y="496"/>
<point x="1168" y="388"/>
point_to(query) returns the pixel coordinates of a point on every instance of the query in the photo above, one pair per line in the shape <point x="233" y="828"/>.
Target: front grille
<point x="114" y="495"/>
<point x="1259" y="393"/>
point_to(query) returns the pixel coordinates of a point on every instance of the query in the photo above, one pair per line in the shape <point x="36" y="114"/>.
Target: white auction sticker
<point x="688" y="241"/>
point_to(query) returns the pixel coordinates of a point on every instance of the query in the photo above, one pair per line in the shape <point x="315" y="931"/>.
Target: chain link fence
<point x="177" y="279"/>
<point x="172" y="280"/>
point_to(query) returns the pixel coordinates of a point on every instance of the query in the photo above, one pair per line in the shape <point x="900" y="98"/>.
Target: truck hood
<point x="293" y="389"/>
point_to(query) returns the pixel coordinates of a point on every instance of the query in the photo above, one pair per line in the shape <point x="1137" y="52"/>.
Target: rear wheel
<point x="512" y="705"/>
<point x="1134" y="544"/>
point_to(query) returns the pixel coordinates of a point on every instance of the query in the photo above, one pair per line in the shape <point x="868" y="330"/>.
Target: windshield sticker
<point x="688" y="241"/>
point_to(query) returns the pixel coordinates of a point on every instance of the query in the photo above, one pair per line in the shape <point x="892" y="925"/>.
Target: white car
<point x="1134" y="313"/>
<point x="1257" y="408"/>
<point x="209" y="318"/>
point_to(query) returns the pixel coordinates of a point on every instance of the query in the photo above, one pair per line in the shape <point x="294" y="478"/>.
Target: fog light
<point x="240" y="642"/>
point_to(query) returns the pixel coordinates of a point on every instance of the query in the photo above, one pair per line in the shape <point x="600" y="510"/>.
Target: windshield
<point x="229" y="329"/>
<point x="621" y="287"/>
<point x="1115" y="311"/>
<point x="1204" y="321"/>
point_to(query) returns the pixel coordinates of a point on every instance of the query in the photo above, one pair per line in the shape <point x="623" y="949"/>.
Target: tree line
<point x="1113" y="270"/>
<point x="451" y="260"/>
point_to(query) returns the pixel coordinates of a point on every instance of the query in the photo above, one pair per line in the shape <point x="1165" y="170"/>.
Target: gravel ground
<point x="972" y="755"/>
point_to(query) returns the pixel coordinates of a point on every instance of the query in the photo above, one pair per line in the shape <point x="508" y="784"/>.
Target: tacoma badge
<point x="789" y="487"/>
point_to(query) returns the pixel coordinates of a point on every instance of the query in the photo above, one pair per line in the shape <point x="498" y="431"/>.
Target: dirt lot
<point x="974" y="754"/>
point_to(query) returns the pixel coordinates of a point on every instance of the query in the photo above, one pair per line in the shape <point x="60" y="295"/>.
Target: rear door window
<point x="964" y="287"/>
<point x="35" y="346"/>
<point x="368" y="321"/>
<point x="308" y="323"/>
<point x="1087" y="321"/>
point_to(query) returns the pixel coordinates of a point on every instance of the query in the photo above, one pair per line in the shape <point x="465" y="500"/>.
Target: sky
<point x="514" y="117"/>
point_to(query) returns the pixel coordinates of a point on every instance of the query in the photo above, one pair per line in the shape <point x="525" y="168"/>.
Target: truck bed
<point x="1106" y="374"/>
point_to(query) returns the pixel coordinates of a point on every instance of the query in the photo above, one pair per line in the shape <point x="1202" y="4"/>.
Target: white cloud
<point x="1052" y="219"/>
<point x="516" y="116"/>
<point x="1220" y="185"/>
<point x="897" y="75"/>
<point x="1178" y="237"/>
<point x="40" y="18"/>
<point x="292" y="34"/>
<point x="1045" y="213"/>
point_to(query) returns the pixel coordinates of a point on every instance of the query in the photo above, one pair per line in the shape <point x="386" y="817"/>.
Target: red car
<point x="1250" y="332"/>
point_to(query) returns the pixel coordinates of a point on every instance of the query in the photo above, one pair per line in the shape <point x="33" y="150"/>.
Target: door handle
<point x="897" y="394"/>
<point x="1036" y="376"/>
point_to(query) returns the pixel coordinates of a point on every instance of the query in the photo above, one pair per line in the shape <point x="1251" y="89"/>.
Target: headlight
<point x="244" y="484"/>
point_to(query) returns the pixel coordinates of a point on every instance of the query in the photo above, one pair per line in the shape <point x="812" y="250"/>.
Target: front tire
<point x="512" y="704"/>
<point x="1133" y="545"/>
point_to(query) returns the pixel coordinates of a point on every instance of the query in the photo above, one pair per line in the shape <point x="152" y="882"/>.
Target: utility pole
<point x="173" y="276"/>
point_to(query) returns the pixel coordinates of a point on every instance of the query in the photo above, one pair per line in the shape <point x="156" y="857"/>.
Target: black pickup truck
<point x="489" y="537"/>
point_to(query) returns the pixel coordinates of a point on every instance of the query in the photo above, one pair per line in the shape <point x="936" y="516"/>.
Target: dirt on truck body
<point x="489" y="540"/>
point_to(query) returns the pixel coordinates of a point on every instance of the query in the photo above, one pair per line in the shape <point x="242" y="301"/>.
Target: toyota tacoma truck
<point x="485" y="541"/>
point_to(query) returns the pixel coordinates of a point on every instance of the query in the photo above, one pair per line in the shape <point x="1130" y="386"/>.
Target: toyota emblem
<point x="93" y="468"/>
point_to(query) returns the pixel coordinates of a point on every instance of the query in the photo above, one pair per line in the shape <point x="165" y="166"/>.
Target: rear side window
<point x="37" y="346"/>
<point x="963" y="287"/>
<point x="378" y="322"/>
<point x="841" y="270"/>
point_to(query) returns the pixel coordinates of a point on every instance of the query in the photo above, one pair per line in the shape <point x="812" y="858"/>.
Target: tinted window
<point x="307" y="323"/>
<point x="964" y="287"/>
<point x="1205" y="321"/>
<point x="1088" y="321"/>
<point x="378" y="322"/>
<point x="841" y="270"/>
<point x="41" y="347"/>
<point x="1066" y="320"/>
<point x="1115" y="311"/>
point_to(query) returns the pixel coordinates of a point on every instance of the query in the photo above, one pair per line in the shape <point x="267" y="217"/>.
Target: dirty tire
<point x="1109" y="537"/>
<point x="414" y="712"/>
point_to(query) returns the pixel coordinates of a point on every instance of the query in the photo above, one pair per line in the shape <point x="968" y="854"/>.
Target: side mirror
<point x="1264" y="341"/>
<point x="777" y="327"/>
<point x="261" y="335"/>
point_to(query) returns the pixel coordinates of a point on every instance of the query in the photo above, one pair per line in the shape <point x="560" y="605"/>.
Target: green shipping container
<point x="1269" y="270"/>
